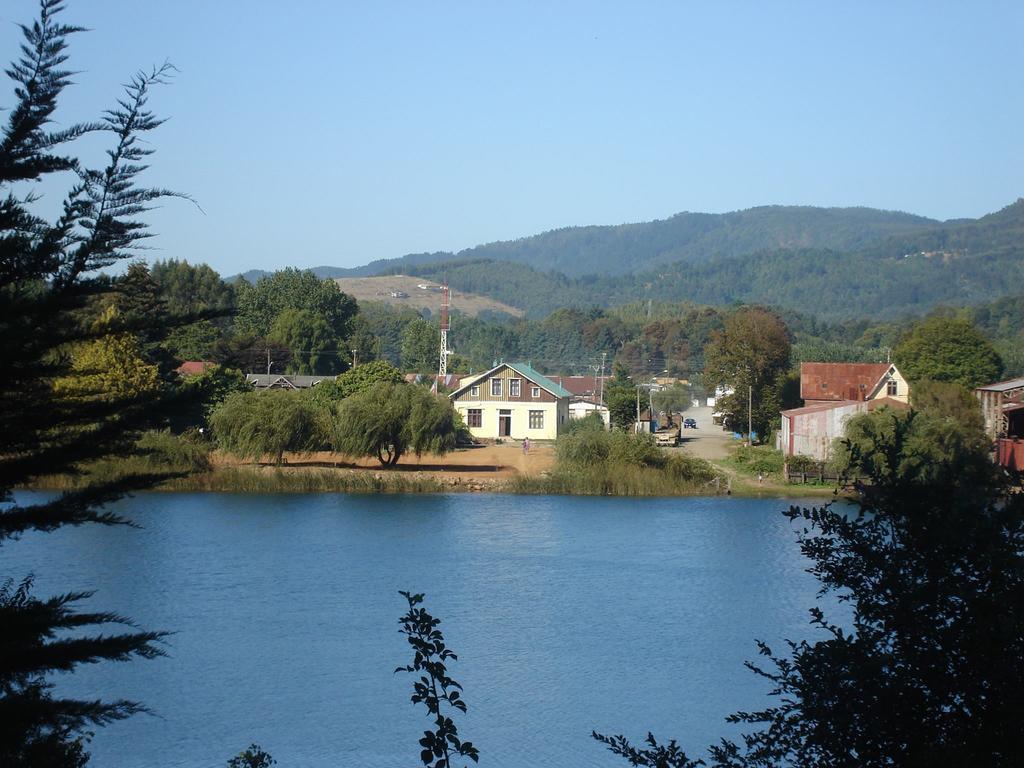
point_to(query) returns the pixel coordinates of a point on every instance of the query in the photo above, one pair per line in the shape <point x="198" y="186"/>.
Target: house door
<point x="504" y="423"/>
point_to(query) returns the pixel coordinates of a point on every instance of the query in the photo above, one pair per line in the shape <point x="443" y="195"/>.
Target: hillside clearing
<point x="383" y="287"/>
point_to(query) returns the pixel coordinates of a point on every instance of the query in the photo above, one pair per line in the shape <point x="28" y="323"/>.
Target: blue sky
<point x="341" y="132"/>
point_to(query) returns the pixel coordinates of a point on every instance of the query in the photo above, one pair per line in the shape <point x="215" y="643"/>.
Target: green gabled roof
<point x="538" y="378"/>
<point x="523" y="369"/>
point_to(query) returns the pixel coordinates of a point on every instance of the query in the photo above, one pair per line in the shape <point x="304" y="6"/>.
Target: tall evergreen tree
<point x="46" y="281"/>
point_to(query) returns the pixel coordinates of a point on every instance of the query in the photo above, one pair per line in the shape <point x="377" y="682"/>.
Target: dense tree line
<point x="291" y="321"/>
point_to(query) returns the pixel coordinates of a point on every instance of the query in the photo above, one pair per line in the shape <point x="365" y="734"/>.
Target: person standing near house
<point x="526" y="445"/>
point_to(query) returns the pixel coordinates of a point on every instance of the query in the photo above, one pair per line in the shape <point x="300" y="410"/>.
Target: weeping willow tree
<point x="48" y="281"/>
<point x="252" y="425"/>
<point x="389" y="420"/>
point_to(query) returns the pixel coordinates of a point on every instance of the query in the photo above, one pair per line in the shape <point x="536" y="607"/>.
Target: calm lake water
<point x="568" y="615"/>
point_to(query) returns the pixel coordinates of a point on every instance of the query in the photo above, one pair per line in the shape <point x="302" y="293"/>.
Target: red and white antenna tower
<point x="442" y="364"/>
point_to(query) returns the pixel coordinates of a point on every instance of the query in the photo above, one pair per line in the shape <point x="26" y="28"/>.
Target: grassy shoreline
<point x="587" y="462"/>
<point x="626" y="482"/>
<point x="264" y="479"/>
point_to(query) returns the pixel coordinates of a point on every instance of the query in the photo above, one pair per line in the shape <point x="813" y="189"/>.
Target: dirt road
<point x="707" y="441"/>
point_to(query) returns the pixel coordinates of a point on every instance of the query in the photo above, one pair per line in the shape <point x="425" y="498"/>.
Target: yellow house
<point x="512" y="401"/>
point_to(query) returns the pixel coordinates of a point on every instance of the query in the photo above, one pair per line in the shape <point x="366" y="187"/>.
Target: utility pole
<point x="442" y="361"/>
<point x="268" y="361"/>
<point x="600" y="385"/>
<point x="353" y="358"/>
<point x="636" y="428"/>
<point x="750" y="415"/>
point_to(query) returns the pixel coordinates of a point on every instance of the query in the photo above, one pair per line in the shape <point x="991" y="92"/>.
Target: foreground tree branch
<point x="48" y="296"/>
<point x="930" y="669"/>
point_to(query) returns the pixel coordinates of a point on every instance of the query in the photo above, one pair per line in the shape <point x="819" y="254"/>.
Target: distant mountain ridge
<point x="686" y="237"/>
<point x="631" y="248"/>
<point x="834" y="262"/>
<point x="965" y="261"/>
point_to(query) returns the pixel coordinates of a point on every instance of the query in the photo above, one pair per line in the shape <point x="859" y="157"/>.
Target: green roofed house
<point x="512" y="401"/>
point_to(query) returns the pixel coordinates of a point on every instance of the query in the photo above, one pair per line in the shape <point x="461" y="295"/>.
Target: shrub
<point x="598" y="462"/>
<point x="176" y="453"/>
<point x="800" y="464"/>
<point x="761" y="459"/>
<point x="587" y="447"/>
<point x="592" y="422"/>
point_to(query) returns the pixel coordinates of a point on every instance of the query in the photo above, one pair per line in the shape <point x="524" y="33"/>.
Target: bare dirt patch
<point x="380" y="289"/>
<point x="485" y="466"/>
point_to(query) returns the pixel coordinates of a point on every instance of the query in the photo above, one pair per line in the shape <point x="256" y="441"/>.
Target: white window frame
<point x="515" y="387"/>
<point x="474" y="391"/>
<point x="470" y="412"/>
<point x="534" y="392"/>
<point x="495" y="390"/>
<point x="539" y="416"/>
<point x="892" y="385"/>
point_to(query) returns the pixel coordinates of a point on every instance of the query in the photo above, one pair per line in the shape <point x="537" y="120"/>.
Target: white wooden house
<point x="512" y="401"/>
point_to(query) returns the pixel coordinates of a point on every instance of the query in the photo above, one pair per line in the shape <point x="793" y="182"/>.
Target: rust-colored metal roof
<point x="817" y="407"/>
<point x="839" y="381"/>
<point x="193" y="367"/>
<point x="580" y="386"/>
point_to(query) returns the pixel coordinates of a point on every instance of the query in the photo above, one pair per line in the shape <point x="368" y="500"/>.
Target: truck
<point x="667" y="435"/>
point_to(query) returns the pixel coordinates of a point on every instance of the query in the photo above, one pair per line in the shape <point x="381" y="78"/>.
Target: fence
<point x="818" y="473"/>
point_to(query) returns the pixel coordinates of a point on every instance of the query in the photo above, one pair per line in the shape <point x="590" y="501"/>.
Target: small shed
<point x="997" y="401"/>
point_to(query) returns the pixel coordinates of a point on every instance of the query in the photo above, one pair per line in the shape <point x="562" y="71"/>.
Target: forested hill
<point x="685" y="237"/>
<point x="997" y="234"/>
<point x="833" y="262"/>
<point x="961" y="262"/>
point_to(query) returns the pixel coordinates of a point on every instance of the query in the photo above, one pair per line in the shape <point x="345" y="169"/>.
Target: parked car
<point x="689" y="423"/>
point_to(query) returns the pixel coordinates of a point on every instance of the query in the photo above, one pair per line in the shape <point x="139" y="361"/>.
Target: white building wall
<point x="582" y="410"/>
<point x="556" y="415"/>
<point x="811" y="434"/>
